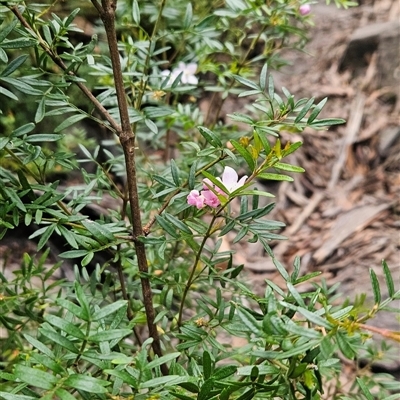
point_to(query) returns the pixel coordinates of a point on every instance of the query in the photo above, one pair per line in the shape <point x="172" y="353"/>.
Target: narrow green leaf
<point x="375" y="286"/>
<point x="167" y="226"/>
<point x="136" y="12"/>
<point x="190" y="387"/>
<point x="296" y="270"/>
<point x="205" y="390"/>
<point x="64" y="395"/>
<point x="175" y="173"/>
<point x="73" y="308"/>
<point x="256" y="192"/>
<point x="275" y="177"/>
<point x="151" y="125"/>
<point x="40" y="346"/>
<point x="81" y="297"/>
<point x="248" y="395"/>
<point x="179" y="396"/>
<point x="17" y="43"/>
<point x="161" y="360"/>
<point x="227" y="228"/>
<point x="317" y="109"/>
<point x="249" y="321"/>
<point x="69" y="121"/>
<point x="192" y="176"/>
<point x="124" y="376"/>
<point x="7" y="93"/>
<point x="293" y="147"/>
<point x="304" y="111"/>
<point x="296" y="295"/>
<point x="59" y="339"/>
<point x="22" y="130"/>
<point x="288" y="167"/>
<point x="44" y="137"/>
<point x="241" y="234"/>
<point x="13" y="65"/>
<point x="210" y="136"/>
<point x="207" y="364"/>
<point x="187" y="19"/>
<point x="164" y="181"/>
<point x="244" y="153"/>
<point x="21" y="85"/>
<point x="307" y="277"/>
<point x="71" y="17"/>
<point x="365" y="389"/>
<point x="7" y="27"/>
<point x="112" y="334"/>
<point x="246" y="82"/>
<point x="41" y="110"/>
<point x="263" y="77"/>
<point x="163" y="381"/>
<point x="344" y="345"/>
<point x="35" y="377"/>
<point x="109" y="309"/>
<point x="13" y="396"/>
<point x="271" y="87"/>
<point x="388" y="279"/>
<point x="11" y="195"/>
<point x="68" y="236"/>
<point x="314" y="318"/>
<point x="100" y="232"/>
<point x="86" y="383"/>
<point x="224" y="372"/>
<point x="322" y="123"/>
<point x="73" y="254"/>
<point x="215" y="181"/>
<point x="46" y="236"/>
<point x="49" y="363"/>
<point x="281" y="269"/>
<point x="177" y="222"/>
<point x="236" y="116"/>
<point x="65" y="326"/>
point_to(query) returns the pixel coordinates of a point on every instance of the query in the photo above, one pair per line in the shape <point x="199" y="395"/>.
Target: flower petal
<point x="210" y="198"/>
<point x="229" y="178"/>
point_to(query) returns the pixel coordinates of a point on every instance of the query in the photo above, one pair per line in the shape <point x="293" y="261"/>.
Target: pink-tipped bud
<point x="305" y="9"/>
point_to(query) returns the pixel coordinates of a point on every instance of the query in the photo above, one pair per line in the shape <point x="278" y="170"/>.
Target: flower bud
<point x="305" y="9"/>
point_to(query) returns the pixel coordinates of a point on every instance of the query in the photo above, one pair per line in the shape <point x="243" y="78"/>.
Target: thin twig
<point x="127" y="139"/>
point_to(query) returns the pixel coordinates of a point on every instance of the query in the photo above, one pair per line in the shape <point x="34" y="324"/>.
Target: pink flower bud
<point x="194" y="198"/>
<point x="305" y="9"/>
<point x="210" y="198"/>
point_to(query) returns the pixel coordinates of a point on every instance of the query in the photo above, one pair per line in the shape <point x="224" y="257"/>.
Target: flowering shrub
<point x="153" y="302"/>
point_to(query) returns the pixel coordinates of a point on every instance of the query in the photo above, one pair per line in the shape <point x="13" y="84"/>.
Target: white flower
<point x="188" y="73"/>
<point x="231" y="180"/>
<point x="187" y="77"/>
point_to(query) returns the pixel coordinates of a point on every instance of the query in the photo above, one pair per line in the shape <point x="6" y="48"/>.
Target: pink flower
<point x="196" y="199"/>
<point x="305" y="9"/>
<point x="208" y="197"/>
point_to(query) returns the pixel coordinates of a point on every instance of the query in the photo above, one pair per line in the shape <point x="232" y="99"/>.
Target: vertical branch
<point x="127" y="139"/>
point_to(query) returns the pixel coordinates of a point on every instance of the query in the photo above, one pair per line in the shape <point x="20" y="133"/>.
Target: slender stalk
<point x="127" y="139"/>
<point x="193" y="271"/>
